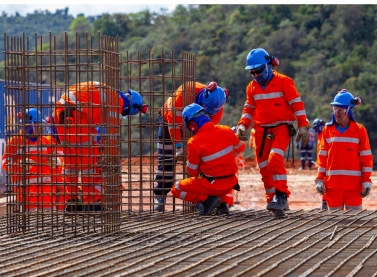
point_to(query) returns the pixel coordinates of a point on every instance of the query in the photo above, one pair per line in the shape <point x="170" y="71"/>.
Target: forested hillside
<point x="322" y="47"/>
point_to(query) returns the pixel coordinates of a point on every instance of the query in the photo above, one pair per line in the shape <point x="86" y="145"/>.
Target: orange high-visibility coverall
<point x="345" y="162"/>
<point x="173" y="112"/>
<point x="207" y="159"/>
<point x="270" y="110"/>
<point x="169" y="133"/>
<point x="40" y="183"/>
<point x="95" y="104"/>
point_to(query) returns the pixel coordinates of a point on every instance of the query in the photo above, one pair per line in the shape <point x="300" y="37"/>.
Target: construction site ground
<point x="247" y="242"/>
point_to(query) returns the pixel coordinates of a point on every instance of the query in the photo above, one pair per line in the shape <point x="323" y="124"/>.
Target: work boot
<point x="278" y="204"/>
<point x="211" y="203"/>
<point x="74" y="205"/>
<point x="95" y="207"/>
<point x="159" y="204"/>
<point x="222" y="209"/>
<point x="200" y="208"/>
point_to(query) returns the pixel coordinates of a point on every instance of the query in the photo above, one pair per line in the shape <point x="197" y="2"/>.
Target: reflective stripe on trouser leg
<point x="164" y="176"/>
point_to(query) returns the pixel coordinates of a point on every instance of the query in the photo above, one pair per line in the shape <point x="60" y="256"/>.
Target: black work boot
<point x="222" y="209"/>
<point x="94" y="207"/>
<point x="159" y="203"/>
<point x="74" y="205"/>
<point x="279" y="204"/>
<point x="211" y="203"/>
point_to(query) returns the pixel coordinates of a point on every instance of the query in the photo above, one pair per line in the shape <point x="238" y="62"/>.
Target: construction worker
<point x="36" y="153"/>
<point x="272" y="106"/>
<point x="83" y="115"/>
<point x="306" y="152"/>
<point x="212" y="165"/>
<point x="345" y="160"/>
<point x="318" y="125"/>
<point x="212" y="98"/>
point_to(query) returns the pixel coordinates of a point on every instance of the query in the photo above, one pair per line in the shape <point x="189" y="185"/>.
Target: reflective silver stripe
<point x="177" y="186"/>
<point x="164" y="146"/>
<point x="336" y="208"/>
<point x="70" y="171"/>
<point x="246" y="115"/>
<point x="192" y="166"/>
<point x="178" y="113"/>
<point x="102" y="94"/>
<point x="182" y="195"/>
<point x="99" y="188"/>
<point x="366" y="184"/>
<point x="166" y="173"/>
<point x="343" y="172"/>
<point x="321" y="169"/>
<point x="277" y="151"/>
<point x="271" y="190"/>
<point x="267" y="96"/>
<point x="345" y="139"/>
<point x="238" y="145"/>
<point x="263" y="164"/>
<point x="87" y="171"/>
<point x="114" y="115"/>
<point x="279" y="177"/>
<point x="296" y="100"/>
<point x="249" y="106"/>
<point x="39" y="180"/>
<point x="355" y="208"/>
<point x="323" y="153"/>
<point x="218" y="154"/>
<point x="300" y="112"/>
<point x="33" y="149"/>
<point x="365" y="152"/>
<point x="367" y="169"/>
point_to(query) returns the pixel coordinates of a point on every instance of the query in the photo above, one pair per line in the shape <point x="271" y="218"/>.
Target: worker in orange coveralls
<point x="345" y="161"/>
<point x="212" y="98"/>
<point x="212" y="165"/>
<point x="318" y="125"/>
<point x="36" y="153"/>
<point x="81" y="122"/>
<point x="272" y="106"/>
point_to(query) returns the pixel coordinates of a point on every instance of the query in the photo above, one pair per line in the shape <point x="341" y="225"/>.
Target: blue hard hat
<point x="213" y="98"/>
<point x="33" y="115"/>
<point x="256" y="58"/>
<point x="191" y="111"/>
<point x="133" y="103"/>
<point x="318" y="122"/>
<point x="344" y="99"/>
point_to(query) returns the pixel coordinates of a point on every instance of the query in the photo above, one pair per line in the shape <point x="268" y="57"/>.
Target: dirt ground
<point x="300" y="183"/>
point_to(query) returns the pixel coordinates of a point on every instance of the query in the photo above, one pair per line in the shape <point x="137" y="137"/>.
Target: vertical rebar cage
<point x="62" y="155"/>
<point x="157" y="76"/>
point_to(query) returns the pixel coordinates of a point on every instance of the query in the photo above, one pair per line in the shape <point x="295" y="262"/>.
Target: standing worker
<point x="318" y="125"/>
<point x="272" y="106"/>
<point x="306" y="152"/>
<point x="34" y="152"/>
<point x="212" y="98"/>
<point x="212" y="165"/>
<point x="80" y="116"/>
<point x="345" y="160"/>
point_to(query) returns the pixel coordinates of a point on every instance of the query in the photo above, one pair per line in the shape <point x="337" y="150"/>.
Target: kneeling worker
<point x="211" y="161"/>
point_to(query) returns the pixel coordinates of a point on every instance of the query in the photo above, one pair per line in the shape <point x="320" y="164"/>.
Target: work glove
<point x="366" y="189"/>
<point x="179" y="151"/>
<point x="303" y="135"/>
<point x="241" y="132"/>
<point x="297" y="146"/>
<point x="319" y="186"/>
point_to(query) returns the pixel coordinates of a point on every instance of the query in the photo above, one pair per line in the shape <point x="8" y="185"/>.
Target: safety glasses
<point x="257" y="71"/>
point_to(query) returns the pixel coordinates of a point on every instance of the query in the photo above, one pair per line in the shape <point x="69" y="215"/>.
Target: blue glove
<point x="101" y="131"/>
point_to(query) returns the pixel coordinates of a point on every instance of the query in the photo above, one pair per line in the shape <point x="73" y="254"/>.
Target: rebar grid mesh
<point x="243" y="243"/>
<point x="86" y="164"/>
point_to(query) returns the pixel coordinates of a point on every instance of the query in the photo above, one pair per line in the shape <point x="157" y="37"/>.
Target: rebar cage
<point x="73" y="162"/>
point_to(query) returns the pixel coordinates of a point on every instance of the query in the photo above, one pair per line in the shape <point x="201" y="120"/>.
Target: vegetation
<point x="322" y="47"/>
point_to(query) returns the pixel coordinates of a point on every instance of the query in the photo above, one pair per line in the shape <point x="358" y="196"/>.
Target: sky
<point x="87" y="7"/>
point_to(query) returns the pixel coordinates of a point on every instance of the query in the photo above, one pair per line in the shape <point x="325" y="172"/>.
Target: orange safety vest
<point x="173" y="108"/>
<point x="345" y="160"/>
<point x="278" y="103"/>
<point x="214" y="159"/>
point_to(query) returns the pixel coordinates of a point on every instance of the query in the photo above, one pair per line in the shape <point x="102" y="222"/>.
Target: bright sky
<point x="87" y="7"/>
